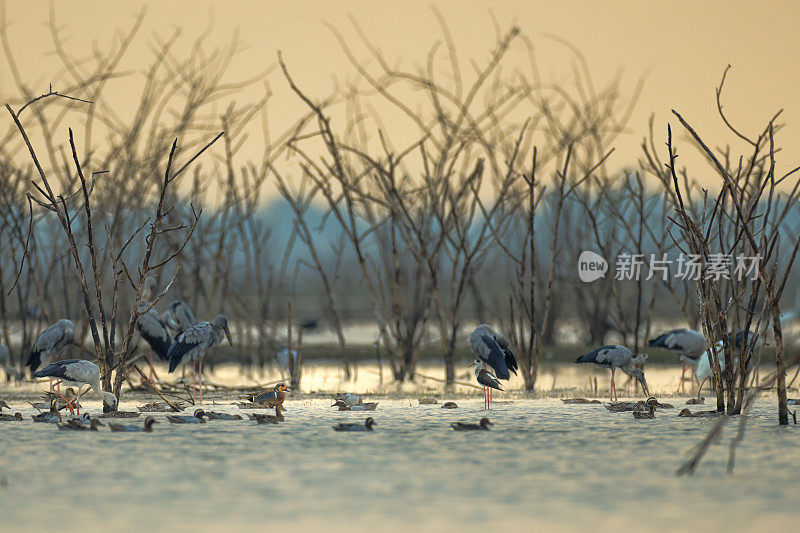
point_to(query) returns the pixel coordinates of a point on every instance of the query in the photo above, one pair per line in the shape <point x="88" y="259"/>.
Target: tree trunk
<point x="783" y="409"/>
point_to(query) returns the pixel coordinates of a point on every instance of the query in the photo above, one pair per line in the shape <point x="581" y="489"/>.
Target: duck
<point x="80" y="424"/>
<point x="271" y="398"/>
<point x="428" y="401"/>
<point x="449" y="405"/>
<point x="50" y="417"/>
<point x="48" y="396"/>
<point x="579" y="401"/>
<point x="196" y="418"/>
<point x="146" y="427"/>
<point x="268" y="419"/>
<point x="366" y="426"/>
<point x="343" y="406"/>
<point x="466" y="426"/>
<point x="650" y="413"/>
<point x="222" y="416"/>
<point x="4" y="405"/>
<point x="686" y="413"/>
<point x="119" y="414"/>
<point x="350" y="398"/>
<point x="16" y="417"/>
<point x="618" y="407"/>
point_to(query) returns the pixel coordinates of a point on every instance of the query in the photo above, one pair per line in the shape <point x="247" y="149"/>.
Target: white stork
<point x="78" y="372"/>
<point x="50" y="343"/>
<point x="492" y="350"/>
<point x="615" y="357"/>
<point x="192" y="344"/>
<point x="690" y="344"/>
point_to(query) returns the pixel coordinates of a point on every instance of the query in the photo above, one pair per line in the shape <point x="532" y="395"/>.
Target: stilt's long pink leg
<point x="613" y="385"/>
<point x="201" y="380"/>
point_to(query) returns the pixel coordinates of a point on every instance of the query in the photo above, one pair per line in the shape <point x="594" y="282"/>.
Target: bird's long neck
<point x="106" y="397"/>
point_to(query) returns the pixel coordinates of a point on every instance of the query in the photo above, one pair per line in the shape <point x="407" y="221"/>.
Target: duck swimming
<point x="366" y="426"/>
<point x="80" y="424"/>
<point x="222" y="416"/>
<point x="51" y="417"/>
<point x="344" y="406"/>
<point x="16" y="417"/>
<point x="466" y="426"/>
<point x="147" y="427"/>
<point x="449" y="405"/>
<point x="650" y="413"/>
<point x="271" y="398"/>
<point x="268" y="419"/>
<point x="196" y="418"/>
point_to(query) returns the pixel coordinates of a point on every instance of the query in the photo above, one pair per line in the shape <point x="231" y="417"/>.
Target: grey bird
<point x="50" y="417"/>
<point x="50" y="343"/>
<point x="366" y="426"/>
<point x="482" y="425"/>
<point x="179" y="317"/>
<point x="196" y="418"/>
<point x="152" y="328"/>
<point x="192" y="344"/>
<point x="615" y="357"/>
<point x="80" y="424"/>
<point x="146" y="427"/>
<point x="493" y="349"/>
<point x="688" y="343"/>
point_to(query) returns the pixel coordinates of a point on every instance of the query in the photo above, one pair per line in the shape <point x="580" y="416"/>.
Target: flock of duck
<point x="494" y="362"/>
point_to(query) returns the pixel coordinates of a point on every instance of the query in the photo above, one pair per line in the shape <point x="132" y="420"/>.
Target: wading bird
<point x="77" y="373"/>
<point x="366" y="426"/>
<point x="467" y="426"/>
<point x="179" y="317"/>
<point x="487" y="379"/>
<point x="615" y="357"/>
<point x="688" y="343"/>
<point x="146" y="427"/>
<point x="50" y="343"/>
<point x="192" y="344"/>
<point x="492" y="349"/>
<point x="151" y="328"/>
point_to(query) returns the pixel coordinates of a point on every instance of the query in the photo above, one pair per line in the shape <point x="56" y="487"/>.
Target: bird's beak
<point x="472" y="364"/>
<point x="228" y="336"/>
<point x="644" y="387"/>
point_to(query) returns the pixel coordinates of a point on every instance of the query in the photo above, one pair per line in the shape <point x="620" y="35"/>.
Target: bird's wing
<point x="496" y="358"/>
<point x="56" y="370"/>
<point x="192" y="337"/>
<point x="49" y="338"/>
<point x="488" y="380"/>
<point x="154" y="331"/>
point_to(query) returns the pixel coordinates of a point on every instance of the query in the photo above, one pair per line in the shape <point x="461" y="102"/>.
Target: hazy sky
<point x="681" y="47"/>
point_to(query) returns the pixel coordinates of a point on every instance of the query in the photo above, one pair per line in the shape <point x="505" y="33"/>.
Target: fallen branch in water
<point x="463" y="384"/>
<point x="150" y="385"/>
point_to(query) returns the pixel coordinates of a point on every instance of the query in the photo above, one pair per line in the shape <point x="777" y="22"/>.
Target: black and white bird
<point x="484" y="377"/>
<point x="179" y="317"/>
<point x="152" y="328"/>
<point x="687" y="343"/>
<point x="50" y="343"/>
<point x="77" y="373"/>
<point x="615" y="357"/>
<point x="191" y="346"/>
<point x="492" y="349"/>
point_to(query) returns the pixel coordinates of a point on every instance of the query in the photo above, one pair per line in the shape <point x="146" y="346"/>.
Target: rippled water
<point x="544" y="463"/>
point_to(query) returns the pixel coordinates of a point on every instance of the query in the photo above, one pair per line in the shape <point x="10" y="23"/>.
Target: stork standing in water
<point x="690" y="344"/>
<point x="77" y="373"/>
<point x="615" y="357"/>
<point x="192" y="344"/>
<point x="151" y="328"/>
<point x="50" y="343"/>
<point x="492" y="350"/>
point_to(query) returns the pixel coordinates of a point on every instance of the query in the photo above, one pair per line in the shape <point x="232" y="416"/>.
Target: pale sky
<point x="681" y="48"/>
